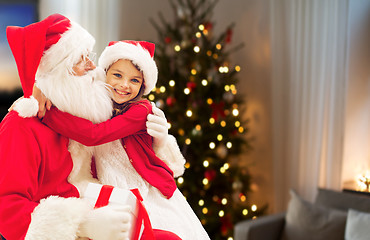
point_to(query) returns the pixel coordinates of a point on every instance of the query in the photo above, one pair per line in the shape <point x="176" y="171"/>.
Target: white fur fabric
<point x="26" y="107"/>
<point x="172" y="156"/>
<point x="74" y="43"/>
<point x="138" y="55"/>
<point x="57" y="218"/>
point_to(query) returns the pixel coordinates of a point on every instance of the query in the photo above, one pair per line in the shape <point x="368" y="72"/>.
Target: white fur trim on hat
<point x="74" y="43"/>
<point x="26" y="107"/>
<point x="138" y="55"/>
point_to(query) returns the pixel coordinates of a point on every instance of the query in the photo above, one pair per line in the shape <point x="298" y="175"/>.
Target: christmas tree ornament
<point x="237" y="185"/>
<point x="159" y="103"/>
<point x="210" y="174"/>
<point x="170" y="101"/>
<point x="228" y="97"/>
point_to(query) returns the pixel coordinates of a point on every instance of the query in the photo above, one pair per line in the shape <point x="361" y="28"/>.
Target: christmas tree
<point x="197" y="90"/>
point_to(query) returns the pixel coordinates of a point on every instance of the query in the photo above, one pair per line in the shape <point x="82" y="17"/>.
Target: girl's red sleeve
<point x="89" y="134"/>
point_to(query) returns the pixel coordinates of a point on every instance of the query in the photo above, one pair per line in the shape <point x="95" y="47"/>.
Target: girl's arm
<point x="89" y="134"/>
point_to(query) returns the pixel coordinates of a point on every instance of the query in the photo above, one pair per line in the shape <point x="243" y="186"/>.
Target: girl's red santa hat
<point x="46" y="47"/>
<point x="140" y="53"/>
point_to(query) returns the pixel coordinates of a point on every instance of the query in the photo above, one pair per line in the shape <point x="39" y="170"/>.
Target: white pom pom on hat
<point x="141" y="53"/>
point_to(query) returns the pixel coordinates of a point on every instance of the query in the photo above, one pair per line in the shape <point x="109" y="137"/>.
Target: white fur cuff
<point x="57" y="218"/>
<point x="27" y="107"/>
<point x="172" y="156"/>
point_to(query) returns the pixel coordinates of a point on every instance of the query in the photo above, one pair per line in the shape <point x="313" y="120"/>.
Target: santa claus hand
<point x="109" y="222"/>
<point x="157" y="127"/>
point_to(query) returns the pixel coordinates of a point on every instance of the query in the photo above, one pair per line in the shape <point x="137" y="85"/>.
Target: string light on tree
<point x="245" y="212"/>
<point x="223" y="69"/>
<point x="189" y="113"/>
<point x="235" y="112"/>
<point x="205" y="163"/>
<point x="180" y="180"/>
<point x="162" y="89"/>
<point x="254" y="208"/>
<point x="221" y="213"/>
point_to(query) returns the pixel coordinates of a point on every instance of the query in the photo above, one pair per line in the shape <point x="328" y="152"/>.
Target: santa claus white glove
<point x="109" y="222"/>
<point x="157" y="127"/>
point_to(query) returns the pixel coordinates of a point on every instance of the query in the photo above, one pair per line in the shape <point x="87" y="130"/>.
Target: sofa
<point x="333" y="215"/>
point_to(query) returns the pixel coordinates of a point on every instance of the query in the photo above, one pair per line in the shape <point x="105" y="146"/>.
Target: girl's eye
<point x="117" y="75"/>
<point x="135" y="80"/>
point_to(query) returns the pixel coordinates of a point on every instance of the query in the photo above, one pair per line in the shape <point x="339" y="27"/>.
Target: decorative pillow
<point x="342" y="200"/>
<point x="306" y="221"/>
<point x="358" y="225"/>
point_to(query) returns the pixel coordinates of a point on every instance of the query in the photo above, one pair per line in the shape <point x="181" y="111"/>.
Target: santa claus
<point x="39" y="167"/>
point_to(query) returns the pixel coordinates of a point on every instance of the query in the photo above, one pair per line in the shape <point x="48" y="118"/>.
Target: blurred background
<point x="291" y="78"/>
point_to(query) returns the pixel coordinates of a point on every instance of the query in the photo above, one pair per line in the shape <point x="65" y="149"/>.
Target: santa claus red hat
<point x="44" y="47"/>
<point x="141" y="53"/>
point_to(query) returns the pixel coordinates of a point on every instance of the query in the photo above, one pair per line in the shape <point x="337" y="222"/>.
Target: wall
<point x="357" y="130"/>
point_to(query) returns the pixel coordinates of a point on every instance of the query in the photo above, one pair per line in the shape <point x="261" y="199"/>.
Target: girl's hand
<point x="157" y="127"/>
<point x="44" y="103"/>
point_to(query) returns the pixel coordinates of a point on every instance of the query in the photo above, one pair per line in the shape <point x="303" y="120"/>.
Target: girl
<point x="130" y="73"/>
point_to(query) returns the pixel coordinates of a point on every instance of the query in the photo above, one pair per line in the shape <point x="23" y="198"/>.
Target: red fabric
<point x="57" y="27"/>
<point x="104" y="196"/>
<point x="35" y="163"/>
<point x="142" y="216"/>
<point x="28" y="44"/>
<point x="150" y="47"/>
<point x="162" y="235"/>
<point x="131" y="128"/>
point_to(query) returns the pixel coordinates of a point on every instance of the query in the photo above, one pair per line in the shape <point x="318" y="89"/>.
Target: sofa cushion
<point x="357" y="227"/>
<point x="342" y="200"/>
<point x="307" y="221"/>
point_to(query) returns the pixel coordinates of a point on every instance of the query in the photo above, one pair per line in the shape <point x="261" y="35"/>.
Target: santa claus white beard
<point x="84" y="96"/>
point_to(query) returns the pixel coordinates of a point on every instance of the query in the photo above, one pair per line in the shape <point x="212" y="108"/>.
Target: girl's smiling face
<point x="125" y="80"/>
